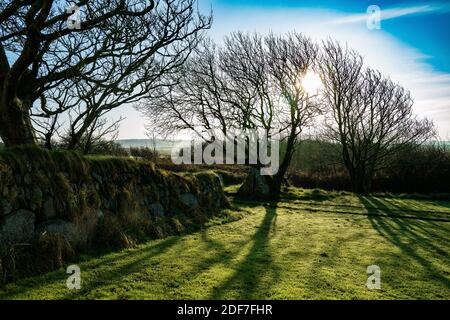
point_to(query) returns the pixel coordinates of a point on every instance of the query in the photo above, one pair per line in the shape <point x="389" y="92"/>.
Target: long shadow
<point x="375" y="203"/>
<point x="134" y="258"/>
<point x="443" y="203"/>
<point x="401" y="233"/>
<point x="256" y="263"/>
<point x="418" y="226"/>
<point x="407" y="224"/>
<point x="115" y="275"/>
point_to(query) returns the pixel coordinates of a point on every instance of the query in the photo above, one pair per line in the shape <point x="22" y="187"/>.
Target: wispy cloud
<point x="392" y="13"/>
<point x="406" y="65"/>
<point x="429" y="87"/>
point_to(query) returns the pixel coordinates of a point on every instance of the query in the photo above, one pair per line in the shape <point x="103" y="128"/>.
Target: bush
<point x="110" y="148"/>
<point x="424" y="169"/>
<point x="43" y="254"/>
<point x="144" y="153"/>
<point x="417" y="170"/>
<point x="109" y="234"/>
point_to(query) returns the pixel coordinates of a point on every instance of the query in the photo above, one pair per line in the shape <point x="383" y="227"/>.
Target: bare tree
<point x="370" y="116"/>
<point x="251" y="82"/>
<point x="119" y="43"/>
<point x="203" y="99"/>
<point x="47" y="129"/>
<point x="289" y="59"/>
<point x="101" y="131"/>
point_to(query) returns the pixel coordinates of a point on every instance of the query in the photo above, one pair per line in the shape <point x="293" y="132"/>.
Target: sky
<point x="411" y="46"/>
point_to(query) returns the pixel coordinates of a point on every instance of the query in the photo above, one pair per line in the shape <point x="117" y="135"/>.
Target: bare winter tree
<point x="197" y="103"/>
<point x="289" y="59"/>
<point x="120" y="50"/>
<point x="210" y="96"/>
<point x="371" y="117"/>
<point x="47" y="130"/>
<point x="251" y="82"/>
<point x="101" y="131"/>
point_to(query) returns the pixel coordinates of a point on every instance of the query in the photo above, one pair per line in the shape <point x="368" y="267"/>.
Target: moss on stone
<point x="132" y="200"/>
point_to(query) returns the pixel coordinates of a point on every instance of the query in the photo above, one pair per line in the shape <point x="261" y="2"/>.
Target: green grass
<point x="310" y="245"/>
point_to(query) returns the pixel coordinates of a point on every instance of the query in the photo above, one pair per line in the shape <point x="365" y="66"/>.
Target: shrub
<point x="43" y="254"/>
<point x="144" y="153"/>
<point x="424" y="169"/>
<point x="109" y="234"/>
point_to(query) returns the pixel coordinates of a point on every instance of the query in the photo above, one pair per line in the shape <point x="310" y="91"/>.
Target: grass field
<point x="310" y="245"/>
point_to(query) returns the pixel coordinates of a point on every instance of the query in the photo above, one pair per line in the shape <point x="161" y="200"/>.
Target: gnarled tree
<point x="370" y="116"/>
<point x="117" y="55"/>
<point x="252" y="82"/>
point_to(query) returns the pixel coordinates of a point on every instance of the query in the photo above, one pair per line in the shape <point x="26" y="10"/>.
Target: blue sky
<point x="412" y="46"/>
<point x="427" y="30"/>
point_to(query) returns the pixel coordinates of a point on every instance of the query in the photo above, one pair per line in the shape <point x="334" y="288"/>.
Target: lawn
<point x="310" y="245"/>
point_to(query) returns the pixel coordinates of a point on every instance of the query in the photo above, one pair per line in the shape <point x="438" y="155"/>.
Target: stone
<point x="18" y="226"/>
<point x="156" y="209"/>
<point x="99" y="213"/>
<point x="189" y="200"/>
<point x="60" y="227"/>
<point x="49" y="209"/>
<point x="5" y="207"/>
<point x="37" y="192"/>
<point x="255" y="186"/>
<point x="27" y="179"/>
<point x="35" y="198"/>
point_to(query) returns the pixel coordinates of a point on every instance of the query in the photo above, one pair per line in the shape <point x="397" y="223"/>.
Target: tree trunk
<point x="74" y="140"/>
<point x="48" y="143"/>
<point x="278" y="178"/>
<point x="357" y="185"/>
<point x="15" y="124"/>
<point x="268" y="187"/>
<point x="361" y="182"/>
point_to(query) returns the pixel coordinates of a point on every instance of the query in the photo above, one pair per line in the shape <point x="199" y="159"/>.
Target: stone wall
<point x="62" y="193"/>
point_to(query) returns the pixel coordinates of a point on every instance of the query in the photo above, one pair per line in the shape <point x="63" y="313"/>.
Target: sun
<point x="311" y="82"/>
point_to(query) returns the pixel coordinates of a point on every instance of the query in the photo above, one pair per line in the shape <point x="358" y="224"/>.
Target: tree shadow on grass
<point x="257" y="263"/>
<point x="443" y="203"/>
<point x="413" y="209"/>
<point x="403" y="234"/>
<point x="388" y="208"/>
<point x="135" y="263"/>
<point x="106" y="274"/>
<point x="221" y="253"/>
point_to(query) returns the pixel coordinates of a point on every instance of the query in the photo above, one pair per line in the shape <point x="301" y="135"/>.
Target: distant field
<point x="162" y="146"/>
<point x="311" y="245"/>
<point x="165" y="146"/>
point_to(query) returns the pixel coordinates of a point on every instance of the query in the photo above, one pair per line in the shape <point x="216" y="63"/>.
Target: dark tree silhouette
<point x="251" y="82"/>
<point x="369" y="115"/>
<point x="46" y="130"/>
<point x="289" y="59"/>
<point x="120" y="51"/>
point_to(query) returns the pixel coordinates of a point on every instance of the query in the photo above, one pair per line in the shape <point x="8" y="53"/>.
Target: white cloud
<point x="391" y="13"/>
<point x="404" y="64"/>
